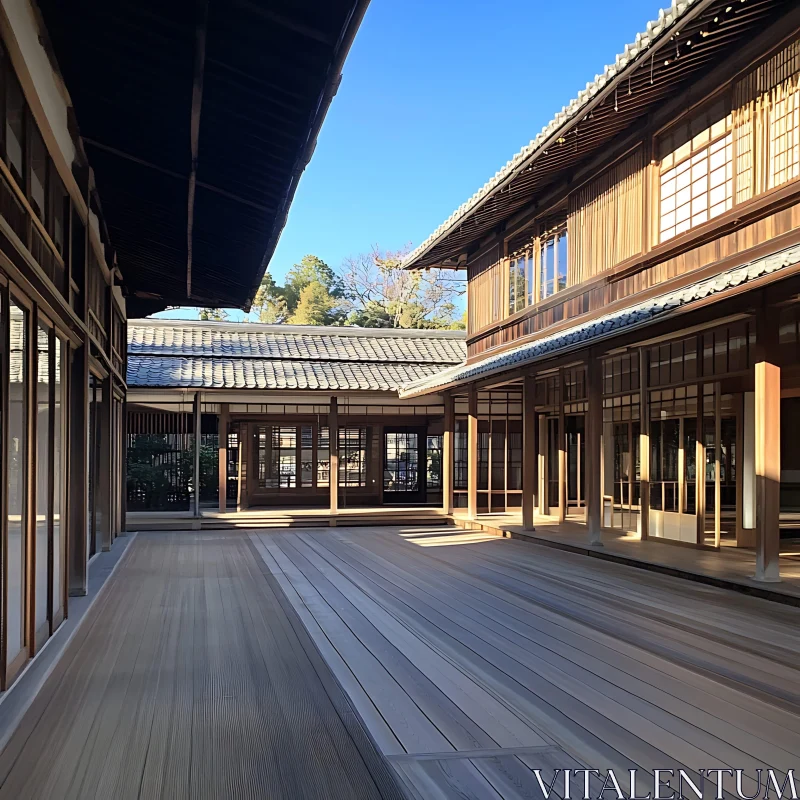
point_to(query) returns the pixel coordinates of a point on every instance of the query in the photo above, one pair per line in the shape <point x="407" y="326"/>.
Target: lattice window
<point x="696" y="179"/>
<point x="784" y="133"/>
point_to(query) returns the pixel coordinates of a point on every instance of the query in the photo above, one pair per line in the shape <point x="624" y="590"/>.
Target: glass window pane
<point x="16" y="454"/>
<point x="59" y="526"/>
<point x="42" y="470"/>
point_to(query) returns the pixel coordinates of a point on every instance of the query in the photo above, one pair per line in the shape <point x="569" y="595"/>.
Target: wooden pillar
<point x="472" y="454"/>
<point x="717" y="463"/>
<point x="529" y="454"/>
<point x="700" y="468"/>
<point x="644" y="445"/>
<point x="767" y="446"/>
<point x="222" y="459"/>
<point x="198" y="417"/>
<point x="447" y="453"/>
<point x="244" y="449"/>
<point x="78" y="470"/>
<point x="594" y="443"/>
<point x="333" y="444"/>
<point x="542" y="458"/>
<point x="562" y="451"/>
<point x="105" y="466"/>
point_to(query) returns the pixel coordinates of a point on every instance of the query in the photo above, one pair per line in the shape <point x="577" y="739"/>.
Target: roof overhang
<point x="198" y="119"/>
<point x="687" y="40"/>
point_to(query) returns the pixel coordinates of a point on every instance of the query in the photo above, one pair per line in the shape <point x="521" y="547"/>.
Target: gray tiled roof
<point x="636" y="51"/>
<point x="167" y="353"/>
<point x="608" y="325"/>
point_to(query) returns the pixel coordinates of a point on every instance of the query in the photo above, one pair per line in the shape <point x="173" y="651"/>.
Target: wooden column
<point x="542" y="458"/>
<point x="768" y="446"/>
<point x="333" y="445"/>
<point x="529" y="454"/>
<point x="244" y="449"/>
<point x="198" y="417"/>
<point x="77" y="484"/>
<point x="562" y="451"/>
<point x="594" y="444"/>
<point x="700" y="468"/>
<point x="105" y="467"/>
<point x="447" y="453"/>
<point x="717" y="463"/>
<point x="644" y="445"/>
<point x="222" y="459"/>
<point x="472" y="454"/>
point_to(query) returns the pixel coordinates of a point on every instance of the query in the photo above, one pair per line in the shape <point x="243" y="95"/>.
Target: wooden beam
<point x="333" y="449"/>
<point x="222" y="460"/>
<point x="594" y="444"/>
<point x="644" y="444"/>
<point x="472" y="453"/>
<point x="447" y="453"/>
<point x="768" y="445"/>
<point x="194" y="130"/>
<point x="529" y="454"/>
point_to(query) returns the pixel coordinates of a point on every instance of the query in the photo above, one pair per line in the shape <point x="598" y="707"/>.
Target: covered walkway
<point x="732" y="567"/>
<point x="191" y="678"/>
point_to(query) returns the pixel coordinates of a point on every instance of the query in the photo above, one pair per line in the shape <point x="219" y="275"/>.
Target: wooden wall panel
<point x="594" y="299"/>
<point x="604" y="222"/>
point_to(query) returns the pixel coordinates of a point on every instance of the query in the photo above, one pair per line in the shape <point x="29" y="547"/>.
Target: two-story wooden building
<point x="633" y="284"/>
<point x="149" y="152"/>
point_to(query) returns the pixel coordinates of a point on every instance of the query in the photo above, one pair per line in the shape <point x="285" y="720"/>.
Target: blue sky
<point x="436" y="96"/>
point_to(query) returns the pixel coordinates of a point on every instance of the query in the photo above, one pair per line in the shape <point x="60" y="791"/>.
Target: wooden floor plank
<point x="189" y="682"/>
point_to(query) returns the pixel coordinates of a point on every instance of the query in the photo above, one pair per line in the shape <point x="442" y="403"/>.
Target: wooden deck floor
<point x="475" y="659"/>
<point x="192" y="678"/>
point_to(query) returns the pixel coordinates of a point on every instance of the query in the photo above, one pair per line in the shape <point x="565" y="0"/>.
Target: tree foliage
<point x="311" y="295"/>
<point x="213" y="314"/>
<point x="385" y="295"/>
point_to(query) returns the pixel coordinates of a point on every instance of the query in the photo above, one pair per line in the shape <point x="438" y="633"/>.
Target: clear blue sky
<point x="437" y="95"/>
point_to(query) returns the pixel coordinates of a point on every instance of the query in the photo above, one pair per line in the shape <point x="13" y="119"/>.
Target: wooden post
<point x="700" y="469"/>
<point x="529" y="454"/>
<point x="197" y="414"/>
<point x="594" y="436"/>
<point x="644" y="445"/>
<point x="717" y="463"/>
<point x="562" y="451"/>
<point x="105" y="467"/>
<point x="333" y="449"/>
<point x="447" y="453"/>
<point x="244" y="448"/>
<point x="472" y="454"/>
<point x="542" y="456"/>
<point x="79" y="463"/>
<point x="768" y="446"/>
<point x="222" y="460"/>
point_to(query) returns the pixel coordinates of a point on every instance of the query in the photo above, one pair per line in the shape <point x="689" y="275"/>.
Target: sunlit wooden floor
<point x="192" y="678"/>
<point x="475" y="659"/>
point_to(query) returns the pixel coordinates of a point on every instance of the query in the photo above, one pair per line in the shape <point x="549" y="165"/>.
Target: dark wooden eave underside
<point x="269" y="72"/>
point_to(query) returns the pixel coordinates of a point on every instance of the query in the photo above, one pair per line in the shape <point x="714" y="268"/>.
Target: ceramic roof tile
<point x="165" y="353"/>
